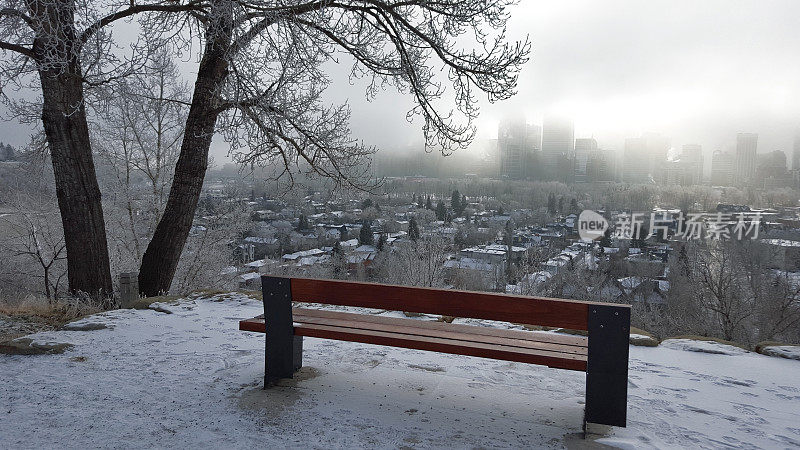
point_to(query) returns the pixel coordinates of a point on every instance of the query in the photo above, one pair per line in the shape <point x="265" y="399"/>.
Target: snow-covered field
<point x="190" y="379"/>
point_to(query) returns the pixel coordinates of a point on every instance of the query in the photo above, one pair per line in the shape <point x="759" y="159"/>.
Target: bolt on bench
<point x="603" y="355"/>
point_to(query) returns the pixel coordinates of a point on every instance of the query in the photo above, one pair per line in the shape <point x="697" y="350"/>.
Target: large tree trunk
<point x="160" y="260"/>
<point x="64" y="120"/>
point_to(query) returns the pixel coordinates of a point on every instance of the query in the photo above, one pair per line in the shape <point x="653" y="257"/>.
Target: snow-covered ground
<point x="190" y="379"/>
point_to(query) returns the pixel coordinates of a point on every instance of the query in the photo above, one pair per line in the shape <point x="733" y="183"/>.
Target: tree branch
<point x="25" y="51"/>
<point x="136" y="9"/>
<point x="11" y="12"/>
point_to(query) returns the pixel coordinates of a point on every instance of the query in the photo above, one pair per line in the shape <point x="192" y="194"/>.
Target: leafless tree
<point x="58" y="48"/>
<point x="208" y="251"/>
<point x="778" y="312"/>
<point x="32" y="239"/>
<point x="262" y="75"/>
<point x="724" y="293"/>
<point x="419" y="263"/>
<point x="137" y="136"/>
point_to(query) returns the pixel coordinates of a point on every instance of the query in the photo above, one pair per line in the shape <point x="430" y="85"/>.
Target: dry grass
<point x="53" y="314"/>
<point x="34" y="314"/>
<point x="648" y="341"/>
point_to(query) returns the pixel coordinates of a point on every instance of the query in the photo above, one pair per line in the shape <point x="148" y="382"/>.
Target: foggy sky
<point x="696" y="71"/>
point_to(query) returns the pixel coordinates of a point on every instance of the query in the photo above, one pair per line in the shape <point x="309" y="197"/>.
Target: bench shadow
<point x="277" y="398"/>
<point x="273" y="402"/>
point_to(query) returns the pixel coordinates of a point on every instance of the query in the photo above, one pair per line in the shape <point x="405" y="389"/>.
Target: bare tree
<point x="261" y="73"/>
<point x="137" y="136"/>
<point x="419" y="263"/>
<point x="208" y="250"/>
<point x="724" y="293"/>
<point x="778" y="313"/>
<point x="66" y="46"/>
<point x="37" y="245"/>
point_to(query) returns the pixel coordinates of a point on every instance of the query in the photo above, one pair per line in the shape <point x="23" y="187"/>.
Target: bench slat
<point x="443" y="345"/>
<point x="548" y="312"/>
<point x="411" y="335"/>
<point x="539" y="336"/>
<point x="464" y="333"/>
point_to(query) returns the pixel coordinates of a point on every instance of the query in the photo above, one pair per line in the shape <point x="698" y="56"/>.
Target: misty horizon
<point x="695" y="73"/>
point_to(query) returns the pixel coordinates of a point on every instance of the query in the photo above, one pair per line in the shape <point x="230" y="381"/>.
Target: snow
<point x="784" y="351"/>
<point x="703" y="346"/>
<point x="639" y="336"/>
<point x="249" y="276"/>
<point x="190" y="378"/>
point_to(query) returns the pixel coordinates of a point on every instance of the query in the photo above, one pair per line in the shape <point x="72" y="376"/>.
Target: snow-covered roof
<point x="257" y="263"/>
<point x="469" y="263"/>
<point x="260" y="240"/>
<point x="503" y="248"/>
<point x="349" y="243"/>
<point x="781" y="242"/>
<point x="302" y="254"/>
<point x="312" y="260"/>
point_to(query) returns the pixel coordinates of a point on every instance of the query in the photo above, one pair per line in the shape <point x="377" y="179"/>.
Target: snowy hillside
<point x="191" y="379"/>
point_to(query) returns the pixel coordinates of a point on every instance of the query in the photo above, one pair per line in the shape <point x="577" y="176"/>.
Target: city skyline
<point x="697" y="72"/>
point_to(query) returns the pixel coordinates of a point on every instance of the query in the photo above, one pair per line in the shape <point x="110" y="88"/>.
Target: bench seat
<point x="543" y="348"/>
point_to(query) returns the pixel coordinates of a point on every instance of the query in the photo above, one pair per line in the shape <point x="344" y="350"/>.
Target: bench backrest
<point x="570" y="314"/>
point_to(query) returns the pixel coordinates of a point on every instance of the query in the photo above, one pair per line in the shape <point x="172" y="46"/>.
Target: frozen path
<point x="191" y="379"/>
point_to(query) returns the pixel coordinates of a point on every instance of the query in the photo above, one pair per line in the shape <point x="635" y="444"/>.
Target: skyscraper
<point x="746" y="144"/>
<point x="796" y="151"/>
<point x="722" y="168"/>
<point x="583" y="149"/>
<point x="558" y="145"/>
<point x="600" y="166"/>
<point x="644" y="158"/>
<point x="517" y="142"/>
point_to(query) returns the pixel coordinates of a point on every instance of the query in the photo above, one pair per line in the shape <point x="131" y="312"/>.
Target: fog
<point x="698" y="72"/>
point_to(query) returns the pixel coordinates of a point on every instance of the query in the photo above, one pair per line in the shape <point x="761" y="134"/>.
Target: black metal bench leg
<point x="607" y="365"/>
<point x="284" y="350"/>
<point x="297" y="353"/>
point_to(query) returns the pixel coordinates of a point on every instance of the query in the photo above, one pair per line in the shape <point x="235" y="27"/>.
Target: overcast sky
<point x="696" y="71"/>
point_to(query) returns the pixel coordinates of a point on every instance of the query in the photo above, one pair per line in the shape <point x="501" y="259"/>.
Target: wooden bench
<point x="603" y="355"/>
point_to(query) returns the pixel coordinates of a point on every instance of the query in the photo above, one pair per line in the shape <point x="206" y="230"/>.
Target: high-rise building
<point x="600" y="166"/>
<point x="692" y="157"/>
<point x="722" y="168"/>
<point x="644" y="158"/>
<point x="796" y="152"/>
<point x="517" y="142"/>
<point x="771" y="165"/>
<point x="746" y="145"/>
<point x="558" y="146"/>
<point x="583" y="148"/>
